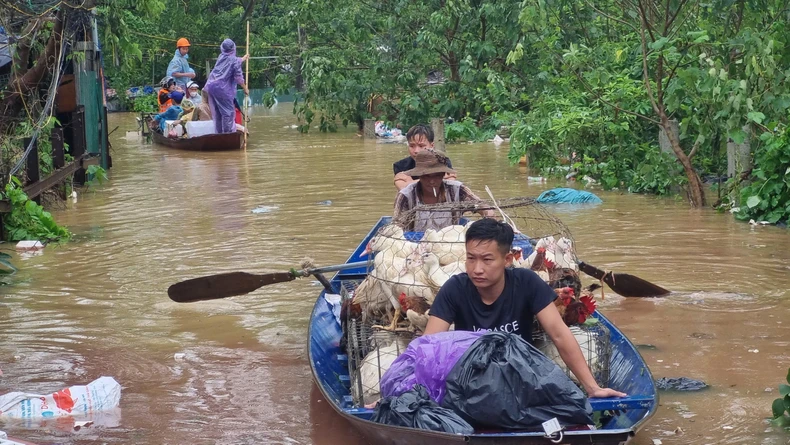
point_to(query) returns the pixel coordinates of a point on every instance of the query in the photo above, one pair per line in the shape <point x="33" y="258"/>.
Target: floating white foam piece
<point x="29" y="245"/>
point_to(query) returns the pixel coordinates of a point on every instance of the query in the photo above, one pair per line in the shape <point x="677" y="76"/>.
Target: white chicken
<point x="374" y="365"/>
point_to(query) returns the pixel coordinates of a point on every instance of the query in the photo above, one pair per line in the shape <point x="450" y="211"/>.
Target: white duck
<point x="437" y="274"/>
<point x="390" y="237"/>
<point x="449" y="243"/>
<point x="374" y="365"/>
<point x="563" y="254"/>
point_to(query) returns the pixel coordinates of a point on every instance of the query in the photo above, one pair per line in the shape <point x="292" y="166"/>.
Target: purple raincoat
<point x="221" y="87"/>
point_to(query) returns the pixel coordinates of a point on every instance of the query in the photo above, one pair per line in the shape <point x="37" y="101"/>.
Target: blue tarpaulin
<point x="564" y="195"/>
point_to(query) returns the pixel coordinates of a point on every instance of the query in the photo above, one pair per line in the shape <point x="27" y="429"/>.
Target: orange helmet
<point x="182" y="42"/>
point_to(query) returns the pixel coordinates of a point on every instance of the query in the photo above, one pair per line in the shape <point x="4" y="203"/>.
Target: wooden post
<point x="437" y="124"/>
<point x="247" y="84"/>
<point x="31" y="169"/>
<point x="302" y="42"/>
<point x="78" y="145"/>
<point x="369" y="130"/>
<point x="58" y="155"/>
<point x="739" y="156"/>
<point x="208" y="70"/>
<point x="663" y="140"/>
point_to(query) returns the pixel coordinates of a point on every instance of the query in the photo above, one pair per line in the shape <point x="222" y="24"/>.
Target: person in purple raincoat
<point x="221" y="87"/>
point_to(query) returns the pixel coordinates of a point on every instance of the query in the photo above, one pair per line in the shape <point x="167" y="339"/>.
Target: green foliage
<point x="572" y="79"/>
<point x="464" y="130"/>
<point x="780" y="408"/>
<point x="767" y="198"/>
<point x="97" y="175"/>
<point x="6" y="268"/>
<point x="28" y="220"/>
<point x="147" y="103"/>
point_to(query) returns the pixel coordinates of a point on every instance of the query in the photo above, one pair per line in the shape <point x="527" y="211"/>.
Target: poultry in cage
<point x="366" y="386"/>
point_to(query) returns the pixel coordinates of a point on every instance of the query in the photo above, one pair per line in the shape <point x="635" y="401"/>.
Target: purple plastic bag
<point x="427" y="361"/>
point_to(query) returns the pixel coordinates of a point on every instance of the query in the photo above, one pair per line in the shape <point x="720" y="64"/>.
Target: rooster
<point x="572" y="310"/>
<point x="417" y="310"/>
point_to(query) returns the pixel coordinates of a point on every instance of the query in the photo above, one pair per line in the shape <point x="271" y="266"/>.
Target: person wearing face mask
<point x="431" y="187"/>
<point x="193" y="93"/>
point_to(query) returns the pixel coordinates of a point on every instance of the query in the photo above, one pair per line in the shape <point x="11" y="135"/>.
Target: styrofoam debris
<point x="29" y="245"/>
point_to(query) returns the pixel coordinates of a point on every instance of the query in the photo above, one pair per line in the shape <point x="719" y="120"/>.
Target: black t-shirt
<point x="525" y="294"/>
<point x="408" y="163"/>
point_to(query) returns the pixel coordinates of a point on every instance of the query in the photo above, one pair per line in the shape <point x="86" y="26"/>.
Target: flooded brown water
<point x="234" y="371"/>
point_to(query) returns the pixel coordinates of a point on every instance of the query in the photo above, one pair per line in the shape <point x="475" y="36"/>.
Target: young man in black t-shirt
<point x="492" y="297"/>
<point x="419" y="138"/>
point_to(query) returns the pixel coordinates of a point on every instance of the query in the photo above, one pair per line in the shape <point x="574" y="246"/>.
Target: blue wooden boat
<point x="628" y="373"/>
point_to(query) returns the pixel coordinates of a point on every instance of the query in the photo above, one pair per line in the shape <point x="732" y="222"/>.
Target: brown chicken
<point x="416" y="309"/>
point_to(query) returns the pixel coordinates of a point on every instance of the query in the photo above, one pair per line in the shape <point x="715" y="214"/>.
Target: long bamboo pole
<point x="247" y="83"/>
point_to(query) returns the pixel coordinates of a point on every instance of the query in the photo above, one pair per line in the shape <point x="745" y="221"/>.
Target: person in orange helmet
<point x="179" y="68"/>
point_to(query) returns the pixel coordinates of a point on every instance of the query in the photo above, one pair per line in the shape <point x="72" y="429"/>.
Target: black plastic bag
<point x="504" y="382"/>
<point x="416" y="409"/>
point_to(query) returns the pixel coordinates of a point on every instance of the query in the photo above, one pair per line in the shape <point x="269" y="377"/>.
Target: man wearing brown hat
<point x="430" y="188"/>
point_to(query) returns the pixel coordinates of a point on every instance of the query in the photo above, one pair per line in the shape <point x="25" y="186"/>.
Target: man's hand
<point x="245" y="57"/>
<point x="599" y="392"/>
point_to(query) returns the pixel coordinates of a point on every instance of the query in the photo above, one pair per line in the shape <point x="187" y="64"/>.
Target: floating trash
<point x="264" y="209"/>
<point x="680" y="384"/>
<point x="325" y="203"/>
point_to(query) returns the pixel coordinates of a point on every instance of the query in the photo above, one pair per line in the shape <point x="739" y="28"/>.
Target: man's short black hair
<point x="420" y="129"/>
<point x="489" y="229"/>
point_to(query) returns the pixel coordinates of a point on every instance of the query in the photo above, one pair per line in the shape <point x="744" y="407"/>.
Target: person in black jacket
<point x="419" y="138"/>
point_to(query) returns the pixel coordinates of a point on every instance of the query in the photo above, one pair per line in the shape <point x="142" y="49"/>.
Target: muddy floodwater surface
<point x="235" y="371"/>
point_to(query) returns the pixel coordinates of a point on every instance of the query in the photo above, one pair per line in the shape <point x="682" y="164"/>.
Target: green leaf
<point x="778" y="408"/>
<point x="784" y="389"/>
<point x="788" y="375"/>
<point x="738" y="135"/>
<point x="755" y="116"/>
<point x="752" y="202"/>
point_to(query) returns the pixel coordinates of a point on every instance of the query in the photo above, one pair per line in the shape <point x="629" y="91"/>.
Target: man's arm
<point x="436" y="324"/>
<point x="189" y="75"/>
<point x="402" y="180"/>
<point x="570" y="352"/>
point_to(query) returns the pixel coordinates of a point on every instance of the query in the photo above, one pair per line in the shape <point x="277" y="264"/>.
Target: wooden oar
<point x="623" y="283"/>
<point x="239" y="283"/>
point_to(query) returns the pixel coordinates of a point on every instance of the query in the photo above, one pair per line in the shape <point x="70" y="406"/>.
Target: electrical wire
<point x="46" y="113"/>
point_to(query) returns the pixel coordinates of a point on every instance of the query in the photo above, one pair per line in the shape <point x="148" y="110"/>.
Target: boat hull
<point x="329" y="366"/>
<point x="209" y="142"/>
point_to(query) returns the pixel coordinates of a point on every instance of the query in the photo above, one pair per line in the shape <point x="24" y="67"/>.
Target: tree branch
<point x="616" y="107"/>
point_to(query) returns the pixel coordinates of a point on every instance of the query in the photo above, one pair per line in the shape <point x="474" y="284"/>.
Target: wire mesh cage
<point x="407" y="268"/>
<point x="371" y="350"/>
<point x="594" y="341"/>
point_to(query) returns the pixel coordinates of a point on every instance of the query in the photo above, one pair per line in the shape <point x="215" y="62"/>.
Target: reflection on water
<point x="235" y="370"/>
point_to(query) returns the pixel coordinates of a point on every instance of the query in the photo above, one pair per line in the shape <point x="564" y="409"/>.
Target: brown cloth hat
<point x="428" y="162"/>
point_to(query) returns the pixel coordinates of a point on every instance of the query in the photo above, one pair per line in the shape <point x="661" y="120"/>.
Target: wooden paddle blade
<point x="623" y="283"/>
<point x="223" y="285"/>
